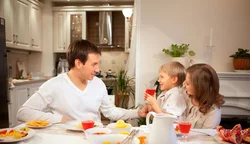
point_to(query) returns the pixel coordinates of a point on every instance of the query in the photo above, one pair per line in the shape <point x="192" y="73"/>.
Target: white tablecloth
<point x="57" y="134"/>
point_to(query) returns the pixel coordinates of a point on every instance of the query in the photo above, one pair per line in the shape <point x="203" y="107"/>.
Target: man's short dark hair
<point x="80" y="49"/>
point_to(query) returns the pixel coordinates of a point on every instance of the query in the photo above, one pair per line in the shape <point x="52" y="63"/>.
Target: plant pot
<point x="241" y="64"/>
<point x="183" y="60"/>
<point x="122" y="101"/>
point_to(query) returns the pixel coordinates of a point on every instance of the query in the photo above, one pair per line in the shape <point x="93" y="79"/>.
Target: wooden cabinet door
<point x="12" y="109"/>
<point x="32" y="90"/>
<point x="21" y="96"/>
<point x="59" y="31"/>
<point x="36" y="27"/>
<point x="75" y="27"/>
<point x="8" y="14"/>
<point x="22" y="24"/>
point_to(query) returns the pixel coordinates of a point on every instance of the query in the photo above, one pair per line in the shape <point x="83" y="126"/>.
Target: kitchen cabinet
<point x="76" y="26"/>
<point x="22" y="25"/>
<point x="8" y="14"/>
<point x="17" y="97"/>
<point x="36" y="27"/>
<point x="19" y="16"/>
<point x="68" y="26"/>
<point x="59" y="22"/>
<point x="128" y="33"/>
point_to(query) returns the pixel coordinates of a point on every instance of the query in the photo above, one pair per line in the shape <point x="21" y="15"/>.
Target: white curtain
<point x="130" y="67"/>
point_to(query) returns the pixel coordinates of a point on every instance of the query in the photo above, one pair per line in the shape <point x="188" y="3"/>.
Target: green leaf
<point x="178" y="50"/>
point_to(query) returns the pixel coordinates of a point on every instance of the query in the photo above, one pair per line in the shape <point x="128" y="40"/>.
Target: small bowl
<point x="95" y="133"/>
<point x="119" y="130"/>
<point x="113" y="139"/>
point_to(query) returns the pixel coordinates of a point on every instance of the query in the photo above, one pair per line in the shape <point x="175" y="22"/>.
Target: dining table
<point x="56" y="133"/>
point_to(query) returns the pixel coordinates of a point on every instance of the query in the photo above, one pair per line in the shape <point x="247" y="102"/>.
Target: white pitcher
<point x="162" y="130"/>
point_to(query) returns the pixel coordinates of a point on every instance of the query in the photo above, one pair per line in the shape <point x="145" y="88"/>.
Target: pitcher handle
<point x="148" y="117"/>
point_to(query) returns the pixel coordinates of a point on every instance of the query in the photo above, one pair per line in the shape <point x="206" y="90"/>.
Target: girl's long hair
<point x="206" y="84"/>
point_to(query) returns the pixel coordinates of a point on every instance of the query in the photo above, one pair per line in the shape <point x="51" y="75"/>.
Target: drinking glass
<point x="86" y="124"/>
<point x="184" y="127"/>
<point x="151" y="90"/>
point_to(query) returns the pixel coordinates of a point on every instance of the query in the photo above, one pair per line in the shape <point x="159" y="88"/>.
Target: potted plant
<point x="241" y="59"/>
<point x="179" y="53"/>
<point x="123" y="89"/>
<point x="179" y="50"/>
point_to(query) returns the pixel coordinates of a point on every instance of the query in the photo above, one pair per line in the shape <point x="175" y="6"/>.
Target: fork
<point x="130" y="137"/>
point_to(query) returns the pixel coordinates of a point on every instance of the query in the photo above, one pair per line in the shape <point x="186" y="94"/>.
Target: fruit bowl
<point x="113" y="139"/>
<point x="95" y="133"/>
<point x="118" y="130"/>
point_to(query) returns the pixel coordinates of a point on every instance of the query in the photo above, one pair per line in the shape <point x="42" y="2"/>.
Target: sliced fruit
<point x="3" y="131"/>
<point x="236" y="137"/>
<point x="177" y="128"/>
<point x="246" y="135"/>
<point x="225" y="134"/>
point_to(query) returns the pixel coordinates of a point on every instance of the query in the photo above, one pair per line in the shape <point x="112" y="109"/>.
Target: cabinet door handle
<point x="32" y="42"/>
<point x="14" y="38"/>
<point x="8" y="97"/>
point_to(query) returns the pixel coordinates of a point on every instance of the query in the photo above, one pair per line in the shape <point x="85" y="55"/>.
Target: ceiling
<point x="92" y="1"/>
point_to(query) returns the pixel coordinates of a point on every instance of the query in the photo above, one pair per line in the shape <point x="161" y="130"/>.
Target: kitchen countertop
<point x="17" y="82"/>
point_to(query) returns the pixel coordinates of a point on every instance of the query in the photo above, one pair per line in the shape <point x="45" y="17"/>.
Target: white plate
<point x="31" y="133"/>
<point x="219" y="139"/>
<point x="71" y="125"/>
<point x="39" y="127"/>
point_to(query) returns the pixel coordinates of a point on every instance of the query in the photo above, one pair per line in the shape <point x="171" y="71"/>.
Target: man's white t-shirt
<point x="62" y="98"/>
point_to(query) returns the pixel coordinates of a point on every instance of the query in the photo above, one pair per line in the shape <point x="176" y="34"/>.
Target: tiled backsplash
<point x="113" y="60"/>
<point x="12" y="59"/>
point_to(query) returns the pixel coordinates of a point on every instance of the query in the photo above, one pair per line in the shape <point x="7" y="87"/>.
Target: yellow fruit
<point x="125" y="133"/>
<point x="106" y="143"/>
<point x="120" y="124"/>
<point x="79" y="125"/>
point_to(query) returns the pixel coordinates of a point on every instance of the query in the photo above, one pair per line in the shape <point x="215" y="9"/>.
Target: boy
<point x="171" y="100"/>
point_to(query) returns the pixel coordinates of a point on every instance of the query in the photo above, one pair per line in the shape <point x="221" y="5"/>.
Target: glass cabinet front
<point x="76" y="26"/>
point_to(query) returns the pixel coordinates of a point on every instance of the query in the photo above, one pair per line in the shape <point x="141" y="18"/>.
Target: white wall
<point x="164" y="22"/>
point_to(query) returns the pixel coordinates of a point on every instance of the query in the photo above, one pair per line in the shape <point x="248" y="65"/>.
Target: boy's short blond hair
<point x="174" y="68"/>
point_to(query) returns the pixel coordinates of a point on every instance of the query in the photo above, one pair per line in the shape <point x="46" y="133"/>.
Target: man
<point x="76" y="95"/>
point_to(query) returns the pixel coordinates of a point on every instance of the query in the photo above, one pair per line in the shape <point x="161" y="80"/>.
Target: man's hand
<point x="143" y="112"/>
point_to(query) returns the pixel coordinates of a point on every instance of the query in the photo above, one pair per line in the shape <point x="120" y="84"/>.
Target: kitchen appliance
<point x="62" y="66"/>
<point x="105" y="30"/>
<point x="4" y="99"/>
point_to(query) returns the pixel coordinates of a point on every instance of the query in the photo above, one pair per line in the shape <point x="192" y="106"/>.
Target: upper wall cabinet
<point x="36" y="27"/>
<point x="23" y="24"/>
<point x="76" y="26"/>
<point x="59" y="20"/>
<point x="68" y="26"/>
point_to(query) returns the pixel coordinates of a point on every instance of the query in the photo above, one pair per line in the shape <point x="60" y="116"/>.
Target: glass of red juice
<point x="150" y="91"/>
<point x="184" y="127"/>
<point x="87" y="124"/>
